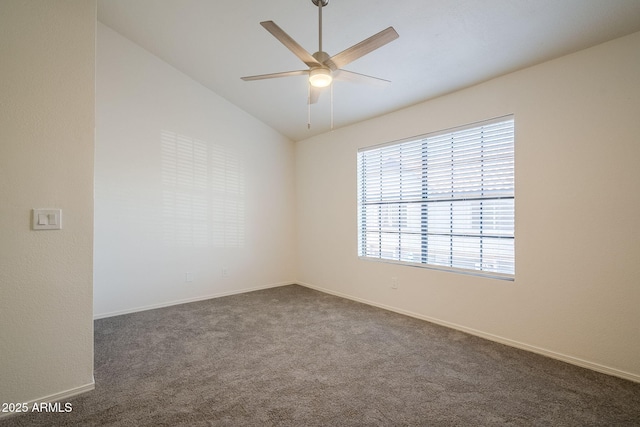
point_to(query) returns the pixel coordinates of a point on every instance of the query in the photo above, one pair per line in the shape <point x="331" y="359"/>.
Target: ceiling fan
<point x="323" y="69"/>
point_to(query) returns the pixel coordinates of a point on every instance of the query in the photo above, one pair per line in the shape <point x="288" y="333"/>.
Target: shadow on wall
<point x="202" y="193"/>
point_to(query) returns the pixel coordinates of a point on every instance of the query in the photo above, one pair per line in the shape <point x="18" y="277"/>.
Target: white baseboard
<point x="56" y="397"/>
<point x="523" y="346"/>
<point x="188" y="300"/>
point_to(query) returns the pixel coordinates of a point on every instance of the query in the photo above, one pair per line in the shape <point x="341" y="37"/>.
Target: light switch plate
<point x="46" y="219"/>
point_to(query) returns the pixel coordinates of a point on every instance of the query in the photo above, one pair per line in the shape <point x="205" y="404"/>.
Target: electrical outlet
<point x="394" y="283"/>
<point x="224" y="271"/>
<point x="188" y="277"/>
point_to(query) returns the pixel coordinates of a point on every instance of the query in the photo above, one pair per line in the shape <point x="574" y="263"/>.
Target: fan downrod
<point x="324" y="2"/>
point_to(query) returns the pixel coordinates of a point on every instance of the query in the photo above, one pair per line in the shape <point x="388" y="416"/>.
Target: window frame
<point x="499" y="205"/>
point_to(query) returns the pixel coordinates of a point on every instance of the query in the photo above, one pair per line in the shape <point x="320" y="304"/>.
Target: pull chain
<point x="309" y="106"/>
<point x="332" y="106"/>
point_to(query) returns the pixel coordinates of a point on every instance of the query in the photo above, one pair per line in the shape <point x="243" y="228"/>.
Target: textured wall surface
<point x="47" y="79"/>
<point x="194" y="197"/>
<point x="575" y="294"/>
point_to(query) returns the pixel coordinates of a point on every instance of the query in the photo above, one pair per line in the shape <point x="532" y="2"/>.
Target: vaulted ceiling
<point x="444" y="45"/>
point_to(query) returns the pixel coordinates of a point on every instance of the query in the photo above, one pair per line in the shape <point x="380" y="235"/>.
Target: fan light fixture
<point x="320" y="77"/>
<point x="322" y="68"/>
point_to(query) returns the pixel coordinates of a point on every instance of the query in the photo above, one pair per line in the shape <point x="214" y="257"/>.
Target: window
<point x="444" y="200"/>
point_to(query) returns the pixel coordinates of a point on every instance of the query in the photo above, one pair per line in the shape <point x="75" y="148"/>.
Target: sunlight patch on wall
<point x="202" y="193"/>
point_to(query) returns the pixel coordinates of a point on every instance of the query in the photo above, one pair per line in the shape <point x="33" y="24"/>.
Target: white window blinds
<point x="445" y="200"/>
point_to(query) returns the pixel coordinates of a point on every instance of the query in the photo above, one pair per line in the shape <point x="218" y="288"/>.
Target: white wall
<point x="47" y="77"/>
<point x="185" y="182"/>
<point x="577" y="288"/>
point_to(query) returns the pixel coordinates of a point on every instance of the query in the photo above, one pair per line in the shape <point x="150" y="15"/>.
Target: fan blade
<point x="350" y="76"/>
<point x="290" y="44"/>
<point x="359" y="50"/>
<point x="276" y="75"/>
<point x="314" y="94"/>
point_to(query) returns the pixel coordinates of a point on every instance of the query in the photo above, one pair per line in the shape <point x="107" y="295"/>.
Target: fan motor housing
<point x="324" y="2"/>
<point x="321" y="56"/>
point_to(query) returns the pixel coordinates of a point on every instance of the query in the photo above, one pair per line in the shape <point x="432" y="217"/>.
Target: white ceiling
<point x="444" y="45"/>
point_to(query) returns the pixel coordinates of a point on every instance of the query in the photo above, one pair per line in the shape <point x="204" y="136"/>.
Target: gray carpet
<point x="292" y="356"/>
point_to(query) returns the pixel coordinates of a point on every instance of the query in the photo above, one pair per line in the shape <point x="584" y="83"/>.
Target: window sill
<point x="483" y="274"/>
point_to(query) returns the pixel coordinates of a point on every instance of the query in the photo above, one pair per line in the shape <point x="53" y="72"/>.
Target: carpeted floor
<point x="292" y="356"/>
